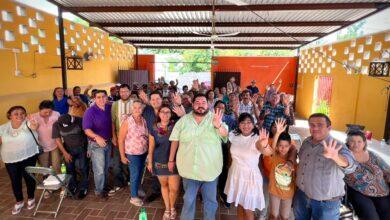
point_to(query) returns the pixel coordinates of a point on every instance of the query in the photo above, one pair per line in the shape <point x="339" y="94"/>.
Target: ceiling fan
<point x="214" y="36"/>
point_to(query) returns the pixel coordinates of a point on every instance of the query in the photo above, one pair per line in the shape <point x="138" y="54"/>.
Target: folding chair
<point x="58" y="184"/>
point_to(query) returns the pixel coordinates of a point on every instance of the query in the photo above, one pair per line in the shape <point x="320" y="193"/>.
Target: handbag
<point x="40" y="148"/>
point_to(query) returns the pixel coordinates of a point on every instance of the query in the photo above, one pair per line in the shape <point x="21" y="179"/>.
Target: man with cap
<point x="72" y="142"/>
<point x="253" y="88"/>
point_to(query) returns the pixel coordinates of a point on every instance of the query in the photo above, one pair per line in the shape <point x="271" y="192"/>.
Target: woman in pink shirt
<point x="133" y="147"/>
<point x="45" y="119"/>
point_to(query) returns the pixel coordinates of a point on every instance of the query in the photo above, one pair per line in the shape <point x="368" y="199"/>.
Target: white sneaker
<point x="17" y="208"/>
<point x="115" y="189"/>
<point x="136" y="201"/>
<point x="30" y="204"/>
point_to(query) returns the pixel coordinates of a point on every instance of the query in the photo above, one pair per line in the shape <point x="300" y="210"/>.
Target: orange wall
<point x="146" y="62"/>
<point x="262" y="69"/>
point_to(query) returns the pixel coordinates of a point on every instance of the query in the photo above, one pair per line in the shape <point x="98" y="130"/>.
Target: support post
<point x="62" y="48"/>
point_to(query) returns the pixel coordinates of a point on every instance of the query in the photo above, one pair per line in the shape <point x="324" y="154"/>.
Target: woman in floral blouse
<point x="368" y="186"/>
<point x="133" y="147"/>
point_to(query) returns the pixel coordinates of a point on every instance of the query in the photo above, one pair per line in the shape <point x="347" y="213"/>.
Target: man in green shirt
<point x="197" y="138"/>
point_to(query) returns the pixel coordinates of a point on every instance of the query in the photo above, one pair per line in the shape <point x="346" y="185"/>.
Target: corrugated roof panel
<point x="222" y="45"/>
<point x="201" y="39"/>
<point x="192" y="2"/>
<point x="306" y="29"/>
<point x="225" y="16"/>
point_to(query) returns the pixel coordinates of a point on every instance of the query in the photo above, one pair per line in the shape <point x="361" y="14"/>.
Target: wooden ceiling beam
<point x="260" y="7"/>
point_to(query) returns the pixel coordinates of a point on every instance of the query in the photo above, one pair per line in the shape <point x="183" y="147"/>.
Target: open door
<point x="221" y="78"/>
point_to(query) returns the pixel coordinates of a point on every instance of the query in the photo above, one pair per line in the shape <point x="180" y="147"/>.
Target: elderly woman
<point x="18" y="150"/>
<point x="133" y="147"/>
<point x="368" y="186"/>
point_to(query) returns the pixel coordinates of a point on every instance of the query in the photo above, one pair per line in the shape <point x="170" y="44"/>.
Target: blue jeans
<point x="209" y="195"/>
<point x="306" y="208"/>
<point x="136" y="167"/>
<point x="79" y="157"/>
<point x="100" y="157"/>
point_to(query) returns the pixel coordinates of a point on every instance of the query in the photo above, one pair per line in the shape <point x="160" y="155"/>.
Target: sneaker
<point x="136" y="201"/>
<point x="114" y="190"/>
<point x="17" y="208"/>
<point x="82" y="194"/>
<point x="30" y="204"/>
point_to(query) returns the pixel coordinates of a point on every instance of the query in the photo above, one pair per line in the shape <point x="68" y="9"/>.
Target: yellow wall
<point x="356" y="98"/>
<point x="100" y="71"/>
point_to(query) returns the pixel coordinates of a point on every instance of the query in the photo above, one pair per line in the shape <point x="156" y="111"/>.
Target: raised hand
<point x="143" y="96"/>
<point x="33" y="123"/>
<point x="263" y="138"/>
<point x="331" y="149"/>
<point x="179" y="110"/>
<point x="254" y="98"/>
<point x="280" y="125"/>
<point x="176" y="98"/>
<point x="217" y="120"/>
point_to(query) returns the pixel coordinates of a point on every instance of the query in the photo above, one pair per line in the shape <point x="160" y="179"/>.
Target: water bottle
<point x="63" y="168"/>
<point x="143" y="215"/>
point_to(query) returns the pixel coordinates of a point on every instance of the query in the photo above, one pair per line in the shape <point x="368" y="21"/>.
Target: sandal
<point x="17" y="208"/>
<point x="47" y="194"/>
<point x="30" y="204"/>
<point x="173" y="214"/>
<point x="167" y="215"/>
<point x="136" y="201"/>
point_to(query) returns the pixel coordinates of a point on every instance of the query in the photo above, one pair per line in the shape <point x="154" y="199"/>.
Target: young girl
<point x="281" y="178"/>
<point x="244" y="185"/>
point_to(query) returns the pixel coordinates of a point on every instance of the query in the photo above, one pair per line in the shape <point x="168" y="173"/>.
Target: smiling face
<point x="100" y="99"/>
<point x="17" y="116"/>
<point x="200" y="106"/>
<point x="165" y="114"/>
<point x="246" y="127"/>
<point x="59" y="93"/>
<point x="137" y="109"/>
<point x="155" y="101"/>
<point x="124" y="93"/>
<point x="46" y="112"/>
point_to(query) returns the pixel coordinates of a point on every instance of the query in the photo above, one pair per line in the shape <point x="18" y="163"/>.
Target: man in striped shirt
<point x="119" y="110"/>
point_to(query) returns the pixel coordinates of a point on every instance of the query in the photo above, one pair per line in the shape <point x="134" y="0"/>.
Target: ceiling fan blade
<point x="201" y="34"/>
<point x="237" y="2"/>
<point x="228" y="34"/>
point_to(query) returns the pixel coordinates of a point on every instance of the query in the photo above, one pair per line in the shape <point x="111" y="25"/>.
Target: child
<point x="281" y="178"/>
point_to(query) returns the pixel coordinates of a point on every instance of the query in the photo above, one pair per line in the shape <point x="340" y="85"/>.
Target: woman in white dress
<point x="244" y="186"/>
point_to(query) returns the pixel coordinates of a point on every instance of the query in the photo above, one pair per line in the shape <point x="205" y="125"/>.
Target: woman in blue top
<point x="60" y="101"/>
<point x="158" y="158"/>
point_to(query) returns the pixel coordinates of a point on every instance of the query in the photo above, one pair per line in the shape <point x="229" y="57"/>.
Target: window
<point x="34" y="40"/>
<point x="58" y="51"/>
<point x="23" y="29"/>
<point x="57" y="36"/>
<point x="32" y="23"/>
<point x="7" y="16"/>
<point x="41" y="33"/>
<point x="1" y="44"/>
<point x="71" y="26"/>
<point x="25" y="47"/>
<point x="9" y="35"/>
<point x="21" y="11"/>
<point x="41" y="49"/>
<point x="66" y="45"/>
<point x="78" y="48"/>
<point x="72" y="41"/>
<point x="56" y="21"/>
<point x="39" y="16"/>
<point x="77" y="34"/>
<point x="84" y="43"/>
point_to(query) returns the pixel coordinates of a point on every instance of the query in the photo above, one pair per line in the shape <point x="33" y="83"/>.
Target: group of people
<point x="225" y="142"/>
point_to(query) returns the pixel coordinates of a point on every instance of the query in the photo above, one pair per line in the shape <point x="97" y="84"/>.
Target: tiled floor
<point x="116" y="207"/>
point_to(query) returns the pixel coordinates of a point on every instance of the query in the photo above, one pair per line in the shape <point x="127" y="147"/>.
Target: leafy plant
<point x="323" y="107"/>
